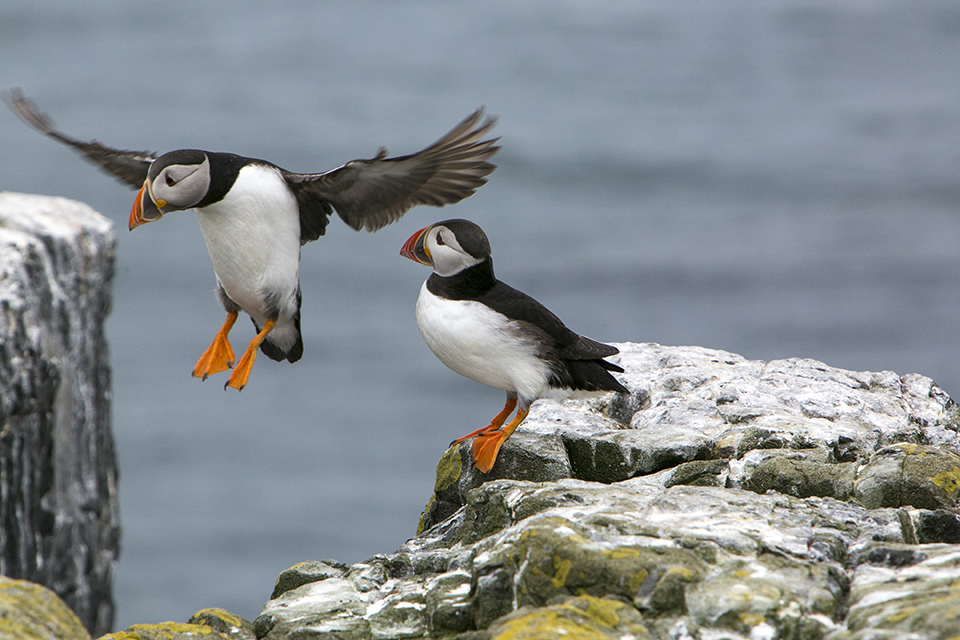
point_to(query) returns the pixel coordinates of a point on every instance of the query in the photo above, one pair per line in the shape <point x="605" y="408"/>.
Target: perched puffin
<point x="255" y="216"/>
<point x="490" y="332"/>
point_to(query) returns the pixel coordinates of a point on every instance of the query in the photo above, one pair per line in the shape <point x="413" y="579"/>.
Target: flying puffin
<point x="488" y="331"/>
<point x="255" y="216"/>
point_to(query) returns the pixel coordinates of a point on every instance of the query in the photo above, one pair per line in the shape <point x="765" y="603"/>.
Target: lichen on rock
<point x="167" y="631"/>
<point x="29" y="611"/>
<point x="579" y="618"/>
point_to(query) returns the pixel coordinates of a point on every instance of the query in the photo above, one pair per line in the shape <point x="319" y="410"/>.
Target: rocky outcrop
<point x="714" y="418"/>
<point x="58" y="501"/>
<point x="724" y="498"/>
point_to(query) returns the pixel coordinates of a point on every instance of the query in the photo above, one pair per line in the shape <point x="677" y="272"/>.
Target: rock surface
<point x="29" y="611"/>
<point x="58" y="501"/>
<point x="724" y="498"/>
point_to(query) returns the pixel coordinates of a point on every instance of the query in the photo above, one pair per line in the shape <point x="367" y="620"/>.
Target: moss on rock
<point x="803" y="478"/>
<point x="698" y="473"/>
<point x="167" y="631"/>
<point x="554" y="557"/>
<point x="582" y="618"/>
<point x="30" y="611"/>
<point x="901" y="475"/>
<point x="230" y="625"/>
<point x="446" y="497"/>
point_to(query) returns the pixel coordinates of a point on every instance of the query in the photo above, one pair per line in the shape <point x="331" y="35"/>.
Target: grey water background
<point x="773" y="179"/>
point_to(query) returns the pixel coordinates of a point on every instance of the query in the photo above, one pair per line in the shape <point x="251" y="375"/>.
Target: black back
<point x="576" y="361"/>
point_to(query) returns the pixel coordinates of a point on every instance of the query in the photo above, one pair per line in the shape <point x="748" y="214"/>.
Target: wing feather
<point x="129" y="166"/>
<point x="373" y="193"/>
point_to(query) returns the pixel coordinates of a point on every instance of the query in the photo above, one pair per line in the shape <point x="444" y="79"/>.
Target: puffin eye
<point x="170" y="181"/>
<point x="439" y="239"/>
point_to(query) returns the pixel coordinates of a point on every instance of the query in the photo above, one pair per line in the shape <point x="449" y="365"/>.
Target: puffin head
<point x="177" y="180"/>
<point x="449" y="246"/>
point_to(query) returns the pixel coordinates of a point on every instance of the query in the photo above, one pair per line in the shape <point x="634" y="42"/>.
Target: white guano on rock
<point x="57" y="466"/>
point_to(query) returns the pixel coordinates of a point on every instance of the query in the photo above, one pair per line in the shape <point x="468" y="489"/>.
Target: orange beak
<point x="414" y="248"/>
<point x="144" y="209"/>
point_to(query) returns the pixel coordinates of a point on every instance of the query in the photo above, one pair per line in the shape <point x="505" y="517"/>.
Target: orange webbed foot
<point x="219" y="355"/>
<point x="240" y="375"/>
<point x="238" y="379"/>
<point x="486" y="446"/>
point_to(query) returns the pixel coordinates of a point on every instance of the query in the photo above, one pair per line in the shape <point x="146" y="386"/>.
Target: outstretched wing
<point x="373" y="193"/>
<point x="129" y="166"/>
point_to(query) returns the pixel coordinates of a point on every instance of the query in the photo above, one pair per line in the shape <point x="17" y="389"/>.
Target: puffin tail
<point x="291" y="354"/>
<point x="593" y="375"/>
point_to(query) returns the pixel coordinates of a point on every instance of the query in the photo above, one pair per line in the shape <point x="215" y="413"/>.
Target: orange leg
<point x="495" y="424"/>
<point x="238" y="379"/>
<point x="486" y="446"/>
<point x="218" y="356"/>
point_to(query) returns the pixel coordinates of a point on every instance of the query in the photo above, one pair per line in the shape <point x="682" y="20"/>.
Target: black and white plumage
<point x="489" y="332"/>
<point x="255" y="216"/>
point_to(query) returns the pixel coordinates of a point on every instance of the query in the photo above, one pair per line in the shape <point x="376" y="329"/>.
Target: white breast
<point x="253" y="237"/>
<point x="481" y="344"/>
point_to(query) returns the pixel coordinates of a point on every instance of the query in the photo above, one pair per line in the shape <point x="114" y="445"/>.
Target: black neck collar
<point x="470" y="283"/>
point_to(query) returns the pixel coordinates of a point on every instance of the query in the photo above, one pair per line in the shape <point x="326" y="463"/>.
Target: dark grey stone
<point x="59" y="525"/>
